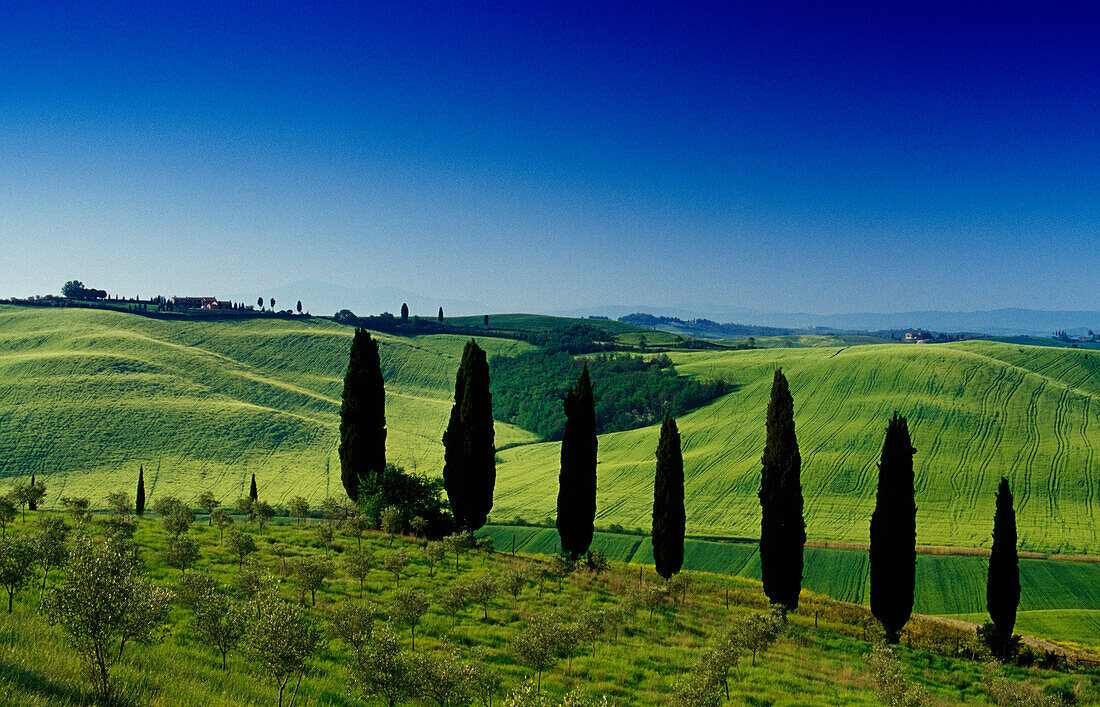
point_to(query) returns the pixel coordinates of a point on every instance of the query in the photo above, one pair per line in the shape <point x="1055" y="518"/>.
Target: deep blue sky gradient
<point x="543" y="156"/>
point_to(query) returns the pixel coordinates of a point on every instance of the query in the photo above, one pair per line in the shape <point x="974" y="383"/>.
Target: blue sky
<point x="546" y="156"/>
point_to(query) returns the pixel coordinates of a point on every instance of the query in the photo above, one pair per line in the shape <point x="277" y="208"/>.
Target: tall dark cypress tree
<point x="440" y="315"/>
<point x="668" y="502"/>
<point x="253" y="493"/>
<point x="577" y="480"/>
<point x="894" y="532"/>
<point x="362" y="418"/>
<point x="469" y="454"/>
<point x="404" y="312"/>
<point x="1002" y="588"/>
<point x="139" y="498"/>
<point x="782" y="527"/>
<point x="32" y="505"/>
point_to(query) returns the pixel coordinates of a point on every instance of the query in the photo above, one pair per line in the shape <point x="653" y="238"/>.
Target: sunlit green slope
<point x="977" y="410"/>
<point x="86" y="396"/>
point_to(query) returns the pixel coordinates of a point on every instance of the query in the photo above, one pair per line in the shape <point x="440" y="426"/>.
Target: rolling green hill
<point x="86" y="396"/>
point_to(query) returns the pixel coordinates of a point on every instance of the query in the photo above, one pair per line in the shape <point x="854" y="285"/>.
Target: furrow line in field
<point x="1031" y="441"/>
<point x="986" y="431"/>
<point x="1058" y="462"/>
<point x="1090" y="488"/>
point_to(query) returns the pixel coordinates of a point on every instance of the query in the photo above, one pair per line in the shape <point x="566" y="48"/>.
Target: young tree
<point x="359" y="565"/>
<point x="445" y="679"/>
<point x="362" y="418"/>
<point x="260" y="302"/>
<point x="272" y="304"/>
<point x="299" y="507"/>
<point x="222" y="519"/>
<point x="102" y="601"/>
<point x="194" y="588"/>
<point x="469" y="457"/>
<point x="139" y="504"/>
<point x="1002" y="589"/>
<point x="7" y="513"/>
<point x="310" y="573"/>
<point x="894" y="532"/>
<point x="32" y="502"/>
<point x="207" y="502"/>
<point x="756" y="632"/>
<point x="16" y="565"/>
<point x="181" y="552"/>
<point x="406" y="609"/>
<point x="280" y="642"/>
<point x="669" y="517"/>
<point x="325" y="536"/>
<point x="513" y="582"/>
<point x="220" y="623"/>
<point x="482" y="590"/>
<point x="457" y="543"/>
<point x="454" y="599"/>
<point x="119" y="528"/>
<point x="28" y="495"/>
<point x="396" y="562"/>
<point x="391" y="522"/>
<point x="384" y="670"/>
<point x="782" y="527"/>
<point x="299" y="307"/>
<point x="241" y="545"/>
<point x="577" y="479"/>
<point x="77" y="507"/>
<point x="538" y="646"/>
<point x="253" y="492"/>
<point x="354" y="624"/>
<point x="119" y="501"/>
<point x="434" y="552"/>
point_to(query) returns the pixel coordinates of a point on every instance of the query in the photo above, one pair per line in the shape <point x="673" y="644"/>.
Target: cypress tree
<point x="252" y="492"/>
<point x="404" y="312"/>
<point x="668" y="502"/>
<point x="440" y="315"/>
<point x="32" y="505"/>
<point x="139" y="497"/>
<point x="782" y="527"/>
<point x="894" y="532"/>
<point x="362" y="418"/>
<point x="577" y="480"/>
<point x="469" y="456"/>
<point x="1002" y="589"/>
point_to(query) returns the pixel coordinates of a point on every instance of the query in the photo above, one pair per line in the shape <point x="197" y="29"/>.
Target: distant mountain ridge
<point x="996" y="322"/>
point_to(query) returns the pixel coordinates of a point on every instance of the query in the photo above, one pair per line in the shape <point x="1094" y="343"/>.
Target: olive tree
<point x="310" y="573"/>
<point x="207" y="502"/>
<point x="194" y="588"/>
<point x="359" y="565"/>
<point x="513" y="581"/>
<point x="354" y="624"/>
<point x="454" y="599"/>
<point x="395" y="562"/>
<point x="279" y="643"/>
<point x="77" y="507"/>
<point x="445" y="679"/>
<point x="538" y="646"/>
<point x="7" y="513"/>
<point x="384" y="670"/>
<point x="241" y="545"/>
<point x="181" y="552"/>
<point x="49" y="543"/>
<point x="482" y="590"/>
<point x="16" y="565"/>
<point x="434" y="552"/>
<point x="391" y="522"/>
<point x="406" y="609"/>
<point x="299" y="507"/>
<point x="103" y="601"/>
<point x="222" y="519"/>
<point x="120" y="503"/>
<point x="220" y="623"/>
<point x="355" y="525"/>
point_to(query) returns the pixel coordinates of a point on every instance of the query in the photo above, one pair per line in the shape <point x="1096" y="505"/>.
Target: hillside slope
<point x="86" y="396"/>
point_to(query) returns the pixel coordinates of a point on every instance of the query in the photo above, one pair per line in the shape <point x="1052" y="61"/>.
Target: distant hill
<point x="88" y="395"/>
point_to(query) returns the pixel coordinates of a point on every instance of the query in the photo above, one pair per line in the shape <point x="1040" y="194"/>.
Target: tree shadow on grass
<point x="37" y="684"/>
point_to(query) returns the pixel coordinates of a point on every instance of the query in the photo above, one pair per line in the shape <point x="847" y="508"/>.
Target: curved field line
<point x="1090" y="489"/>
<point x="1030" y="447"/>
<point x="1058" y="463"/>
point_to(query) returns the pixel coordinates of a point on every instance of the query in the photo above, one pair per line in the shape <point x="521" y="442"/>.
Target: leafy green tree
<point x="207" y="502"/>
<point x="1002" y="589"/>
<point x="469" y="458"/>
<point x="103" y="601"/>
<point x="782" y="527"/>
<point x="396" y="562"/>
<point x="454" y="599"/>
<point x="577" y="479"/>
<point x="16" y="565"/>
<point x="181" y="552"/>
<point x="119" y="528"/>
<point x="193" y="589"/>
<point x="77" y="507"/>
<point x="299" y="307"/>
<point x="299" y="507"/>
<point x="513" y="581"/>
<point x="362" y="418"/>
<point x="32" y="502"/>
<point x="445" y="680"/>
<point x="359" y="565"/>
<point x="457" y="543"/>
<point x="279" y="643"/>
<point x="354" y="624"/>
<point x="28" y="495"/>
<point x="325" y="536"/>
<point x="272" y="304"/>
<point x="406" y="609"/>
<point x="139" y="503"/>
<point x="310" y="573"/>
<point x="669" y="518"/>
<point x="7" y="514"/>
<point x="178" y="521"/>
<point x="538" y="646"/>
<point x="255" y="584"/>
<point x="757" y="631"/>
<point x="220" y="623"/>
<point x="260" y="302"/>
<point x="222" y="520"/>
<point x="482" y="589"/>
<point x="434" y="552"/>
<point x="391" y="522"/>
<point x="384" y="670"/>
<point x="241" y="545"/>
<point x="119" y="501"/>
<point x="893" y="552"/>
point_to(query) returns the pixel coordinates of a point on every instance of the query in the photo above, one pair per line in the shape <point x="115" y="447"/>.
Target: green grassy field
<point x="1053" y="592"/>
<point x="818" y="661"/>
<point x="88" y="395"/>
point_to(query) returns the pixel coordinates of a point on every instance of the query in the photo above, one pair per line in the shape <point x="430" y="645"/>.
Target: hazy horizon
<point x="545" y="159"/>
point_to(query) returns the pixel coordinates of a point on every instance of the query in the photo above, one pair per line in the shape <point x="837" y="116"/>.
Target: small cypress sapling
<point x="32" y="502"/>
<point x="252" y="492"/>
<point x="139" y="503"/>
<point x="668" y="502"/>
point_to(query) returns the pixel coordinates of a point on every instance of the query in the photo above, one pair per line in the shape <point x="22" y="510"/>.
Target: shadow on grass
<point x="37" y="685"/>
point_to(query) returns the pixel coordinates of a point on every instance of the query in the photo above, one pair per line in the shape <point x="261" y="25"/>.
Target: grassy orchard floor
<point x="641" y="666"/>
<point x="1053" y="591"/>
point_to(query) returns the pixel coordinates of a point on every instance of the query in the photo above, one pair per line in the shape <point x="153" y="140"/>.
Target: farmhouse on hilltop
<point x="200" y="303"/>
<point x="917" y="336"/>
